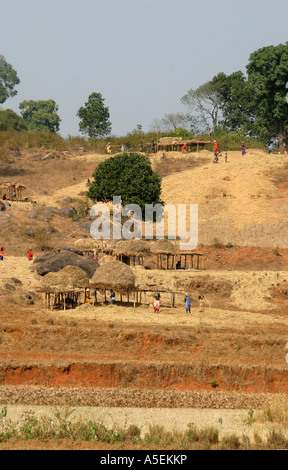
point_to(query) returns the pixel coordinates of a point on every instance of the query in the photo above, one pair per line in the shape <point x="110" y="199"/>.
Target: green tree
<point x="8" y="80"/>
<point x="40" y="115"/>
<point x="267" y="76"/>
<point x="9" y="120"/>
<point x="236" y="98"/>
<point x="94" y="117"/>
<point x="129" y="176"/>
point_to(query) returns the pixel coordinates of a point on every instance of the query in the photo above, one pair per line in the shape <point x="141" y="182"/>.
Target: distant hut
<point x="114" y="275"/>
<point x="165" y="251"/>
<point x="132" y="252"/>
<point x="90" y="246"/>
<point x="65" y="287"/>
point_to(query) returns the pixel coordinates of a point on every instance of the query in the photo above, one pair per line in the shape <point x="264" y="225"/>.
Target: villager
<point x="243" y="149"/>
<point x="226" y="157"/>
<point x="156" y="305"/>
<point x="187" y="303"/>
<point x="201" y="303"/>
<point x="112" y="297"/>
<point x="1" y="254"/>
<point x="30" y="255"/>
<point x="87" y="297"/>
<point x="183" y="148"/>
<point x="108" y="148"/>
<point x="215" y="148"/>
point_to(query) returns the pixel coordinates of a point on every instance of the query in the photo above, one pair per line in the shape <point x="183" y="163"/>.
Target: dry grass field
<point x="129" y="366"/>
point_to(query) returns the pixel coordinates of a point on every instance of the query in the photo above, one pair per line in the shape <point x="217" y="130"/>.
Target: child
<point x="201" y="303"/>
<point x="156" y="304"/>
<point x="1" y="254"/>
<point x="30" y="255"/>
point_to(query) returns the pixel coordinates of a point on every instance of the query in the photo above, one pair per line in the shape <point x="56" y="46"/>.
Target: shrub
<point x="129" y="176"/>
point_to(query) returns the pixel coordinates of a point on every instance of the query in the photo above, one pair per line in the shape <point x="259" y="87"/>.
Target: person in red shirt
<point x="30" y="255"/>
<point x="1" y="254"/>
<point x="215" y="148"/>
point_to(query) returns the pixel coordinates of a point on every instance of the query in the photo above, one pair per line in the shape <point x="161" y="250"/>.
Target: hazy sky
<point x="141" y="55"/>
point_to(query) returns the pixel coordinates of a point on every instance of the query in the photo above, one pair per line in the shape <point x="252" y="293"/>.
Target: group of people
<point x="201" y="303"/>
<point x="29" y="254"/>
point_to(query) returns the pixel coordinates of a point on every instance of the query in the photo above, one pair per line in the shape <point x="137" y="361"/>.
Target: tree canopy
<point x="8" y="80"/>
<point x="94" y="117"/>
<point x="129" y="176"/>
<point x="9" y="120"/>
<point x="40" y="115"/>
<point x="267" y="77"/>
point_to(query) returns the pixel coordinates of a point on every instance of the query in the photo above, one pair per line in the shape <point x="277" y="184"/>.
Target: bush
<point x="129" y="176"/>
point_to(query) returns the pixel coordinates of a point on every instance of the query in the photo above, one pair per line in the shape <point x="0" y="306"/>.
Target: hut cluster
<point x="115" y="276"/>
<point x="11" y="191"/>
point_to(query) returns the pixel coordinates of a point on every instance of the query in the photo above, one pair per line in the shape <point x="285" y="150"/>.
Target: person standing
<point x="1" y="253"/>
<point x="243" y="149"/>
<point x="215" y="148"/>
<point x="30" y="255"/>
<point x="108" y="148"/>
<point x="187" y="303"/>
<point x="156" y="305"/>
<point x="112" y="297"/>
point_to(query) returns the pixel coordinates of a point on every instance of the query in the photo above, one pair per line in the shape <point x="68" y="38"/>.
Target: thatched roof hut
<point x="163" y="247"/>
<point x="67" y="279"/>
<point x="88" y="244"/>
<point x="114" y="275"/>
<point x="133" y="247"/>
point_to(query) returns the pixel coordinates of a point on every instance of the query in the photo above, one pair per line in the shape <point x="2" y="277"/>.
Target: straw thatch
<point x="114" y="275"/>
<point x="133" y="247"/>
<point x="163" y="246"/>
<point x="89" y="244"/>
<point x="170" y="140"/>
<point x="67" y="279"/>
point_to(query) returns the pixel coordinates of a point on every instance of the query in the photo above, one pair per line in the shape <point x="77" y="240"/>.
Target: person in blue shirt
<point x="187" y="303"/>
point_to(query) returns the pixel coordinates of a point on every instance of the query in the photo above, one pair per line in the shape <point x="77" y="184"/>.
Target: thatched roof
<point x="89" y="244"/>
<point x="68" y="278"/>
<point x="170" y="140"/>
<point x="114" y="275"/>
<point x="133" y="247"/>
<point x="163" y="246"/>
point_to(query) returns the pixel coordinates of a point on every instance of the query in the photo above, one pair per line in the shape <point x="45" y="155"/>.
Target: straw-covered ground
<point x="124" y="365"/>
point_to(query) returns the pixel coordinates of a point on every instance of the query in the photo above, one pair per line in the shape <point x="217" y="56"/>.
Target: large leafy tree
<point x="40" y="115"/>
<point x="236" y="100"/>
<point x="94" y="117"/>
<point x="268" y="76"/>
<point x="129" y="176"/>
<point x="8" y="80"/>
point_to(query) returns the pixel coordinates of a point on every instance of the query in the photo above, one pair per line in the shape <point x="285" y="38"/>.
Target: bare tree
<point x="206" y="102"/>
